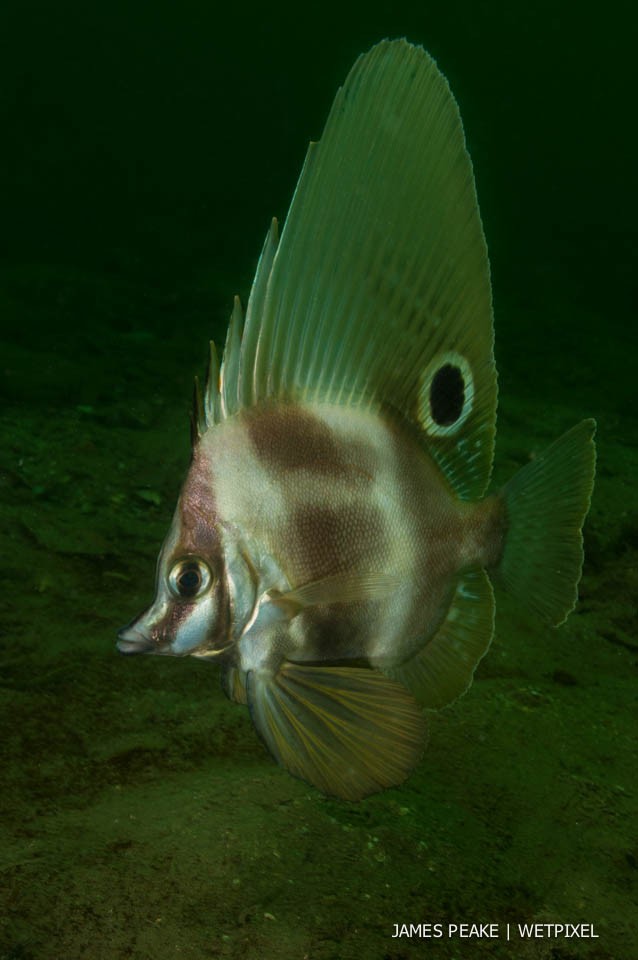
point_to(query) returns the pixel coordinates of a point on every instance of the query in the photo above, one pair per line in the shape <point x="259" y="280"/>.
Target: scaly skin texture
<point x="332" y="491"/>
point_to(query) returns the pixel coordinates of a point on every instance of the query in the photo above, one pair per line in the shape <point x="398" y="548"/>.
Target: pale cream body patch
<point x="328" y="490"/>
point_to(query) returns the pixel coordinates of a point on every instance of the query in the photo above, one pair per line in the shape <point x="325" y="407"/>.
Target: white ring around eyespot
<point x="433" y="367"/>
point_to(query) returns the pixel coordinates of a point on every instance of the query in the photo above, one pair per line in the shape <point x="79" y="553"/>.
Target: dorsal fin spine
<point x="211" y="394"/>
<point x="228" y="380"/>
<point x="246" y="390"/>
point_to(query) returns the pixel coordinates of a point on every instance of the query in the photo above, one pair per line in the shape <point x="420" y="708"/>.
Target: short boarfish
<point x="332" y="548"/>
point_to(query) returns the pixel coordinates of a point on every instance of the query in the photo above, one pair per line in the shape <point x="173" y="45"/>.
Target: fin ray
<point x="233" y="682"/>
<point x="341" y="588"/>
<point x="229" y="374"/>
<point x="381" y="275"/>
<point x="349" y="731"/>
<point x="546" y="503"/>
<point x="247" y="393"/>
<point x="443" y="670"/>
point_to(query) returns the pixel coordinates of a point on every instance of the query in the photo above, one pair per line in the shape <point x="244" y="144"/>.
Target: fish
<point x="334" y="547"/>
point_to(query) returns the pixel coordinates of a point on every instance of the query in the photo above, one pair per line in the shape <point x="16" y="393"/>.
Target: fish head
<point x="190" y="615"/>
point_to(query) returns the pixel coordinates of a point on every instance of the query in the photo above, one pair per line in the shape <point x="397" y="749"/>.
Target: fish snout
<point x="131" y="640"/>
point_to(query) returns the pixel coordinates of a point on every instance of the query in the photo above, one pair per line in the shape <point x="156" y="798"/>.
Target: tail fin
<point x="546" y="504"/>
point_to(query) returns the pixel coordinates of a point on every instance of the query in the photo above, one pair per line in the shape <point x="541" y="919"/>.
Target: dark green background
<point x="143" y="149"/>
<point x="156" y="139"/>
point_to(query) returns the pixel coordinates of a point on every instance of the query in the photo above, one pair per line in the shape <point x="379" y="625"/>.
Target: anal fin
<point x="444" y="668"/>
<point x="349" y="731"/>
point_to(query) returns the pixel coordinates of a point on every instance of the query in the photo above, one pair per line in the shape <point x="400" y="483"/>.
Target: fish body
<point x="332" y="547"/>
<point x="336" y="496"/>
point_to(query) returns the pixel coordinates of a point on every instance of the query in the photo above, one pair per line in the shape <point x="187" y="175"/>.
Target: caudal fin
<point x="546" y="504"/>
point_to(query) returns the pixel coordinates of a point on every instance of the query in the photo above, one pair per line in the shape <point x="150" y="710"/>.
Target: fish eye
<point x="189" y="578"/>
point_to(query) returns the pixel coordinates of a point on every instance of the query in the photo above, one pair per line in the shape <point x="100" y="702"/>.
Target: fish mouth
<point x="130" y="641"/>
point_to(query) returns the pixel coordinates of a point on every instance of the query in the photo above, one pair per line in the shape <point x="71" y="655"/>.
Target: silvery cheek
<point x="194" y="628"/>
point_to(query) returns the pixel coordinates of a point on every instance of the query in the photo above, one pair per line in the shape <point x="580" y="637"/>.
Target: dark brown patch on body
<point x="337" y="634"/>
<point x="290" y="438"/>
<point x="327" y="540"/>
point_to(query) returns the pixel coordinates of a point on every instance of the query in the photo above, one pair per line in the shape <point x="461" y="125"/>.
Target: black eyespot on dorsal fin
<point x="447" y="395"/>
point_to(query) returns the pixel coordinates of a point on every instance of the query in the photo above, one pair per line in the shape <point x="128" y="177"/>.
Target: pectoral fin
<point x="340" y="588"/>
<point x="348" y="731"/>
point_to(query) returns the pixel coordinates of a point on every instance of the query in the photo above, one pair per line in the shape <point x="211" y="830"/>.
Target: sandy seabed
<point x="142" y="817"/>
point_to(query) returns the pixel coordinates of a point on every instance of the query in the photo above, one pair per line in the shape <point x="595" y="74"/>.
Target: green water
<point x="144" y="149"/>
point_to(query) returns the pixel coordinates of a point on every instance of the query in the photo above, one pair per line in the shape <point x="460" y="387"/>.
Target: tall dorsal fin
<point x="379" y="291"/>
